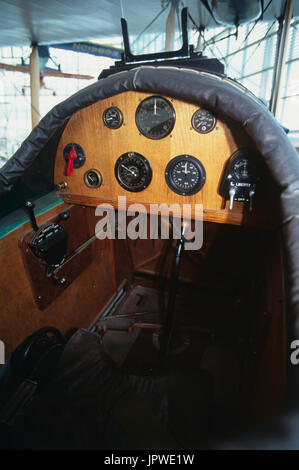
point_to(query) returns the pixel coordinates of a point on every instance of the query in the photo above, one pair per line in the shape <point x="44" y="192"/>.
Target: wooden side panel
<point x="43" y="288"/>
<point x="103" y="146"/>
<point x="76" y="307"/>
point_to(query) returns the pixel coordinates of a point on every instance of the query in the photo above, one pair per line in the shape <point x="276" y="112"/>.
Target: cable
<point x="235" y="34"/>
<point x="122" y="8"/>
<point x="150" y="24"/>
<point x="258" y="45"/>
<point x="255" y="23"/>
<point x="212" y="41"/>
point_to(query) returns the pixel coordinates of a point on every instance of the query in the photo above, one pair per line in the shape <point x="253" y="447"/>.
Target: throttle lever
<point x="49" y="242"/>
<point x="29" y="206"/>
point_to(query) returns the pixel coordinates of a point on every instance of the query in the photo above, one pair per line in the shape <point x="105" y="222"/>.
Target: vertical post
<point x="169" y="320"/>
<point x="2" y="353"/>
<point x="170" y="29"/>
<point x="281" y="56"/>
<point x="34" y="86"/>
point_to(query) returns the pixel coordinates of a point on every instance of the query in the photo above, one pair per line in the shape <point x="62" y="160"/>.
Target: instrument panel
<point x="157" y="149"/>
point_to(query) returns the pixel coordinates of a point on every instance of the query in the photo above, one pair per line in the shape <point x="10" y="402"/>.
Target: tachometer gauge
<point x="113" y="117"/>
<point x="185" y="175"/>
<point x="155" y="117"/>
<point x="133" y="171"/>
<point x="241" y="177"/>
<point x="203" y="121"/>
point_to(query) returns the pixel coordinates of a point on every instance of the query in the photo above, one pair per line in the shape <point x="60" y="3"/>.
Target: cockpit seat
<point x="91" y="403"/>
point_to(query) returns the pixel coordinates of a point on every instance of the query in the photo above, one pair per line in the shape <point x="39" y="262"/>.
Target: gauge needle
<point x="186" y="171"/>
<point x="155" y="107"/>
<point x="128" y="169"/>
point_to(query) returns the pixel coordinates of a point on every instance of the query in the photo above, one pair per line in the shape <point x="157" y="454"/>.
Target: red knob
<point x="70" y="161"/>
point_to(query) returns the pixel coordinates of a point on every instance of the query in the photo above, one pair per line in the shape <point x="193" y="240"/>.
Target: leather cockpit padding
<point x="221" y="95"/>
<point x="91" y="403"/>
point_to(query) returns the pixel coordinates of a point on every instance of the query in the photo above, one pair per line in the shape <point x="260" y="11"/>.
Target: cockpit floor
<point x="205" y="338"/>
<point x="130" y="400"/>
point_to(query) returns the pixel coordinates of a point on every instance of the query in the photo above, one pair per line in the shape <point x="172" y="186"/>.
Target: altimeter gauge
<point x="155" y="117"/>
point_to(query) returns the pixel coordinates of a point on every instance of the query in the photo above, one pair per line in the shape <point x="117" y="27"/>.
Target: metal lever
<point x="58" y="280"/>
<point x="251" y="194"/>
<point x="169" y="320"/>
<point x="185" y="50"/>
<point x="232" y="193"/>
<point x="29" y="206"/>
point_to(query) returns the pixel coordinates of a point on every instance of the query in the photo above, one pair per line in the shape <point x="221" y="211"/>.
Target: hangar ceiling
<point x="61" y="21"/>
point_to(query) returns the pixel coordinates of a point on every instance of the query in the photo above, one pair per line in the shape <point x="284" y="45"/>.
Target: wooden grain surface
<point x="44" y="290"/>
<point x="103" y="146"/>
<point x="76" y="307"/>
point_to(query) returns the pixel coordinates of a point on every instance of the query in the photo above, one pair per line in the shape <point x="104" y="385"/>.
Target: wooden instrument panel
<point x="103" y="146"/>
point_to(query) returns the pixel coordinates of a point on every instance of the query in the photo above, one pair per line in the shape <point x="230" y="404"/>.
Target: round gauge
<point x="113" y="117"/>
<point x="133" y="171"/>
<point x="155" y="117"/>
<point x="203" y="121"/>
<point x="93" y="178"/>
<point x="243" y="169"/>
<point x="79" y="157"/>
<point x="185" y="175"/>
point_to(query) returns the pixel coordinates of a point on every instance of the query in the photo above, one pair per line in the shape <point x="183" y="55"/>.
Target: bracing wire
<point x="260" y="42"/>
<point x="150" y="24"/>
<point x="212" y="41"/>
<point x="122" y="8"/>
<point x="255" y="23"/>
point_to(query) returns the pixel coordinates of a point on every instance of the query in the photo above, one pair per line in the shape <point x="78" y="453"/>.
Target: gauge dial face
<point x="203" y="121"/>
<point x="155" y="117"/>
<point x="185" y="175"/>
<point x="133" y="171"/>
<point x="93" y="178"/>
<point x="113" y="117"/>
<point x="242" y="169"/>
<point x="80" y="157"/>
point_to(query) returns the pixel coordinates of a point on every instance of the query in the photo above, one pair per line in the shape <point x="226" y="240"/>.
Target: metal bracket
<point x="185" y="51"/>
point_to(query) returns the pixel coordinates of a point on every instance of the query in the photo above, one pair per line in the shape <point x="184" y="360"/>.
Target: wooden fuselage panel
<point x="103" y="146"/>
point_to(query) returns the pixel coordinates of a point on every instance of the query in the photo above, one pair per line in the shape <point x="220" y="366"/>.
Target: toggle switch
<point x="251" y="195"/>
<point x="232" y="193"/>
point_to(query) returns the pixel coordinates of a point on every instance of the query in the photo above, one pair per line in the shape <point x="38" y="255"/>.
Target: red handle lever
<point x="70" y="162"/>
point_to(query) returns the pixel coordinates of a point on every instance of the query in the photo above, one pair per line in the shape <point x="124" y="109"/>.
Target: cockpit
<point x="148" y="304"/>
